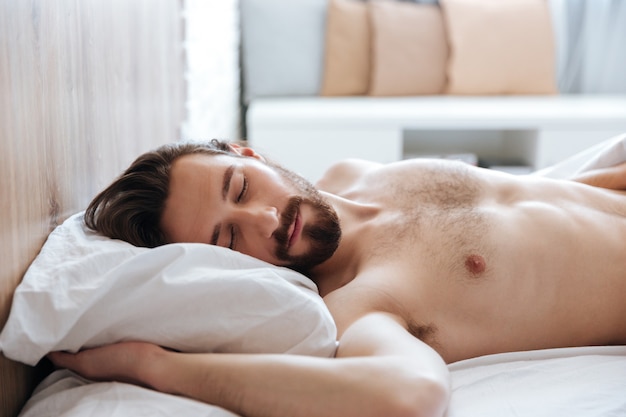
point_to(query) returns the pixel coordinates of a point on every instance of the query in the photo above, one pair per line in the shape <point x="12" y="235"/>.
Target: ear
<point x="245" y="151"/>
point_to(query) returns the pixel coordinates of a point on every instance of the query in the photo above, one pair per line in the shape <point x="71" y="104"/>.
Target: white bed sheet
<point x="572" y="382"/>
<point x="65" y="394"/>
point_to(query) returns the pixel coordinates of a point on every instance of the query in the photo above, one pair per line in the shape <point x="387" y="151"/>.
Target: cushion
<point x="282" y="47"/>
<point x="409" y="49"/>
<point x="86" y="290"/>
<point x="347" y="53"/>
<point x="500" y="47"/>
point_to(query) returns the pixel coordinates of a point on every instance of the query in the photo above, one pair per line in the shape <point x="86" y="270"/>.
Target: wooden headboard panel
<point x="85" y="87"/>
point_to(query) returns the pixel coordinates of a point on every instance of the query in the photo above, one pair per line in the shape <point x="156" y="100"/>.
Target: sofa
<point x="383" y="80"/>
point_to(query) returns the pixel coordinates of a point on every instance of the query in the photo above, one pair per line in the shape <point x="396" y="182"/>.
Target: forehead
<point x="198" y="175"/>
<point x="195" y="186"/>
<point x="197" y="160"/>
<point x="195" y="174"/>
<point x="188" y="164"/>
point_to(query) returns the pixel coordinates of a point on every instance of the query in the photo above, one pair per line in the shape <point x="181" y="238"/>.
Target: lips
<point x="296" y="230"/>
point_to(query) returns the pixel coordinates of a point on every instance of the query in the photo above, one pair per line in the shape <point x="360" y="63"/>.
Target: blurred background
<point x="590" y="56"/>
<point x="274" y="71"/>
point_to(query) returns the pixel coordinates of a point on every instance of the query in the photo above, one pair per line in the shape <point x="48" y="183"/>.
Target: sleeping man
<point x="421" y="263"/>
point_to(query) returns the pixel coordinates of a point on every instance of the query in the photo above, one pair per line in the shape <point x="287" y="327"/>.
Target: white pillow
<point x="282" y="47"/>
<point x="84" y="290"/>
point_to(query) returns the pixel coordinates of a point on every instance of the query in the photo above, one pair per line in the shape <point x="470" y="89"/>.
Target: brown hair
<point x="130" y="208"/>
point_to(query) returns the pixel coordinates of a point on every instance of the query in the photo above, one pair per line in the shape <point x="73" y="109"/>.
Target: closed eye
<point x="231" y="245"/>
<point x="244" y="189"/>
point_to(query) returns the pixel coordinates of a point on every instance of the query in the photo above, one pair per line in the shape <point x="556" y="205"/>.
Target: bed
<point x="73" y="119"/>
<point x="84" y="290"/>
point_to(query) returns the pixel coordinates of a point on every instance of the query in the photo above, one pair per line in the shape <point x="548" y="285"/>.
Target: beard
<point x="323" y="234"/>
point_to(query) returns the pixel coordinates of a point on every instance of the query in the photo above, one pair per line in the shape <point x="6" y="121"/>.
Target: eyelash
<point x="240" y="197"/>
<point x="244" y="188"/>
<point x="232" y="238"/>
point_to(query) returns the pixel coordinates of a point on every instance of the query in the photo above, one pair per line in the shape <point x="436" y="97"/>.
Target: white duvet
<point x="572" y="382"/>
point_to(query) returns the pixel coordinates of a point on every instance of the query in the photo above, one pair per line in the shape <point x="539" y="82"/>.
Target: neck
<point x="343" y="266"/>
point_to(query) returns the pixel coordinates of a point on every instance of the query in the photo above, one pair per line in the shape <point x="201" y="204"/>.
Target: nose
<point x="260" y="219"/>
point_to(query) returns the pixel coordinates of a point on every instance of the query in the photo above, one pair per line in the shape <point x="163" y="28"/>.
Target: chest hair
<point x="432" y="214"/>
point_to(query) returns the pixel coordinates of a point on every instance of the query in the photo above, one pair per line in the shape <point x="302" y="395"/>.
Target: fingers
<point x="119" y="361"/>
<point x="61" y="359"/>
<point x="95" y="364"/>
<point x="75" y="362"/>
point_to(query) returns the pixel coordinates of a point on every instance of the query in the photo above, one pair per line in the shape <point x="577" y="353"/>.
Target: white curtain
<point x="591" y="45"/>
<point x="212" y="69"/>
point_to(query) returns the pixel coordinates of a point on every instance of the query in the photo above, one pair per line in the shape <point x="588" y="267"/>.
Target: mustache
<point x="288" y="216"/>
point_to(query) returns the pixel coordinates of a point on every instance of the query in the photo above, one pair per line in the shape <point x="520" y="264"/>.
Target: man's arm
<point x="380" y="370"/>
<point x="613" y="177"/>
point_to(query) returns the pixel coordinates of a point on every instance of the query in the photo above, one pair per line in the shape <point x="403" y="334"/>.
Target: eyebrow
<point x="228" y="175"/>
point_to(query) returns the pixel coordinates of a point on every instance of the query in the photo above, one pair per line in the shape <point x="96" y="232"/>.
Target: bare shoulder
<point x="345" y="174"/>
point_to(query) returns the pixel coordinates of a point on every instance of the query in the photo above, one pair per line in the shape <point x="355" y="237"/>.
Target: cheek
<point x="258" y="250"/>
<point x="271" y="188"/>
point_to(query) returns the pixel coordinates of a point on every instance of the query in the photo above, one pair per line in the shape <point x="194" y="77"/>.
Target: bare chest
<point x="478" y="278"/>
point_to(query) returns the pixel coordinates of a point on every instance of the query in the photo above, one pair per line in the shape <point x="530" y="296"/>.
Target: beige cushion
<point x="500" y="47"/>
<point x="347" y="54"/>
<point x="409" y="49"/>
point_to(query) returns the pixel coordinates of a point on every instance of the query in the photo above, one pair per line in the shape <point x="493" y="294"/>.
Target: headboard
<point x="85" y="87"/>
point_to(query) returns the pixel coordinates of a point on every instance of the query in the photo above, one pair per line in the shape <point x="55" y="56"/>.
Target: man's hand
<point x="613" y="178"/>
<point x="119" y="362"/>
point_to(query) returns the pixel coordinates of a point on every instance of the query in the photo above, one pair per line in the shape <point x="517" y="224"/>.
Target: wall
<point x="85" y="87"/>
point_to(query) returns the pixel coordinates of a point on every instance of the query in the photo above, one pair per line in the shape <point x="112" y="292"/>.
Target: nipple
<point x="475" y="264"/>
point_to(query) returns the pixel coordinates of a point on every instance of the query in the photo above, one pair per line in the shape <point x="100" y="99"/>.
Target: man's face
<point x="252" y="207"/>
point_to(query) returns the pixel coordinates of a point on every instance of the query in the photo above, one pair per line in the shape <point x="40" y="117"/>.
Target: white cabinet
<point x="309" y="134"/>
